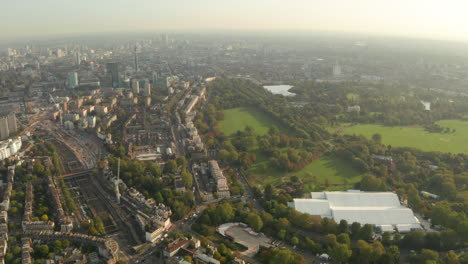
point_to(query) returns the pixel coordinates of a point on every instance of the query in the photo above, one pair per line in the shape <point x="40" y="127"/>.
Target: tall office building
<point x="147" y="89"/>
<point x="135" y="86"/>
<point x="8" y="125"/>
<point x="113" y="72"/>
<point x="4" y="131"/>
<point x="72" y="79"/>
<point x="136" y="58"/>
<point x="12" y="124"/>
<point x="60" y="53"/>
<point x="78" y="58"/>
<point x="155" y="78"/>
<point x="336" y="70"/>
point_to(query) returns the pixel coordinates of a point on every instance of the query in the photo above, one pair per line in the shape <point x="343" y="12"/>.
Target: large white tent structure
<point x="381" y="209"/>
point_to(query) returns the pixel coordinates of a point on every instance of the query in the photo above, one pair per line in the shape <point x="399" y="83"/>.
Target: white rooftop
<point x="382" y="209"/>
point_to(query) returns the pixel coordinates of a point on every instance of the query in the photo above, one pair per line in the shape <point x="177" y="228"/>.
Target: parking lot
<point x="252" y="242"/>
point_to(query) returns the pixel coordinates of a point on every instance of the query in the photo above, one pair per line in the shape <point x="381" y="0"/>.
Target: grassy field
<point x="336" y="170"/>
<point x="417" y="137"/>
<point x="238" y="118"/>
<point x="262" y="172"/>
<point x="353" y="97"/>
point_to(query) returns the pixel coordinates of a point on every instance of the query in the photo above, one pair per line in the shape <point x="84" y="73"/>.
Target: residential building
<point x="222" y="187"/>
<point x="10" y="147"/>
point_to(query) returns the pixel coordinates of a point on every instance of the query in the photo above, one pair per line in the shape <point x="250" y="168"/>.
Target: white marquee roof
<point x="376" y="208"/>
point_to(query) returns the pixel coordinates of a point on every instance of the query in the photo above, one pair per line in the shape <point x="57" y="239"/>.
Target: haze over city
<point x="417" y="18"/>
<point x="233" y="132"/>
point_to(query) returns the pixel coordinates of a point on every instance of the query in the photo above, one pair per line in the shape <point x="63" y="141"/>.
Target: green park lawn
<point x="353" y="97"/>
<point x="417" y="137"/>
<point x="336" y="170"/>
<point x="236" y="119"/>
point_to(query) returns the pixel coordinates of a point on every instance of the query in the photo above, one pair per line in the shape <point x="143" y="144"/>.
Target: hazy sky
<point x="441" y="19"/>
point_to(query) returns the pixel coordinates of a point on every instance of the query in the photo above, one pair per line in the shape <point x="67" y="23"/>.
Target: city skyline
<point x="421" y="19"/>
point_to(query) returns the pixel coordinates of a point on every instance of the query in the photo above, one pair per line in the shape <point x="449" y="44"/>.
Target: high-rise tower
<point x="72" y="79"/>
<point x="136" y="58"/>
<point x="113" y="72"/>
<point x="116" y="183"/>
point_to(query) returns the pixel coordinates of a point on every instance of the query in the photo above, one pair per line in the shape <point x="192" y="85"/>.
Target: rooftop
<point x="376" y="208"/>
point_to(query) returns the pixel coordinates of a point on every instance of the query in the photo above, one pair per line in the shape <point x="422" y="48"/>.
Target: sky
<point x="435" y="19"/>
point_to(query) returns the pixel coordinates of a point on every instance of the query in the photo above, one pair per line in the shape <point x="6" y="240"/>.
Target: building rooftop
<point x="376" y="208"/>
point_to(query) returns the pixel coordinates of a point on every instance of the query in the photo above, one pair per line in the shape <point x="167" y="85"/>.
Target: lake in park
<point x="280" y="89"/>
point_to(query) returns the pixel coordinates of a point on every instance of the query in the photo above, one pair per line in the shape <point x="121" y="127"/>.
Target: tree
<point x="363" y="252"/>
<point x="187" y="179"/>
<point x="428" y="255"/>
<point x="329" y="225"/>
<point x="269" y="192"/>
<point x="170" y="166"/>
<point x="16" y="251"/>
<point x="273" y="130"/>
<point x="414" y="240"/>
<point x="433" y="241"/>
<point x="451" y="258"/>
<point x="181" y="162"/>
<point x="462" y="228"/>
<point x="41" y="251"/>
<point x="330" y="240"/>
<point x="233" y="155"/>
<point x="282" y="234"/>
<point x="387" y="238"/>
<point x="254" y="221"/>
<point x="343" y="227"/>
<point x="366" y="232"/>
<point x="44" y="218"/>
<point x="377" y="250"/>
<point x="224" y="213"/>
<point x="371" y="183"/>
<point x="377" y="138"/>
<point x="449" y="238"/>
<point x="58" y="247"/>
<point x="188" y="259"/>
<point x="224" y="251"/>
<point x="394" y="253"/>
<point x="341" y="253"/>
<point x="223" y="155"/>
<point x="355" y="228"/>
<point x="464" y="258"/>
<point x="294" y="241"/>
<point x="282" y="223"/>
<point x="396" y="238"/>
<point x="343" y="238"/>
<point x="99" y="225"/>
<point x="413" y="197"/>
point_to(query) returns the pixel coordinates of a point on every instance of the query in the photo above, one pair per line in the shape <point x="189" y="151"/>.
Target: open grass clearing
<point x="236" y="119"/>
<point x="335" y="170"/>
<point x="418" y="137"/>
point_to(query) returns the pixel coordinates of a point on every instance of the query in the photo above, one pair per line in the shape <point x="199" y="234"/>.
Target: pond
<point x="280" y="89"/>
